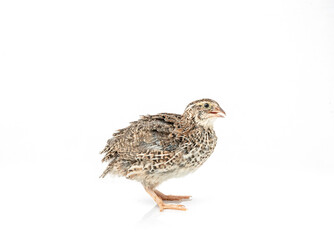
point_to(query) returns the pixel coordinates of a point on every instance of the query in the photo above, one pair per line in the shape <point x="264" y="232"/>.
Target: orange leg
<point x="161" y="204"/>
<point x="171" y="197"/>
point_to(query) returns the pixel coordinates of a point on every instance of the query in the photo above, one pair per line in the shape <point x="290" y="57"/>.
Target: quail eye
<point x="206" y="105"/>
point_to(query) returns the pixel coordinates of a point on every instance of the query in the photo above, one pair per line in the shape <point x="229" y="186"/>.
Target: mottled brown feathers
<point x="158" y="147"/>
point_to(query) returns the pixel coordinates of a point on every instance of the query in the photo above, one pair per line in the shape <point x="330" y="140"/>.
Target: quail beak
<point x="218" y="112"/>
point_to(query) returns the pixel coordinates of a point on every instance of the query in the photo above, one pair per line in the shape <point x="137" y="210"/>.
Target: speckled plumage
<point x="159" y="147"/>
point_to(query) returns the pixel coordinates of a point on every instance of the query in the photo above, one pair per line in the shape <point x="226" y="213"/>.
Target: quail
<point x="158" y="147"/>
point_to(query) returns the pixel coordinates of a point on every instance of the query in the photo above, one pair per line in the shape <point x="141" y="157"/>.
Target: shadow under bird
<point x="159" y="147"/>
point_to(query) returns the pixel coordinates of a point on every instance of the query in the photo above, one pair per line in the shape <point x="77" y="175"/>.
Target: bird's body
<point x="163" y="146"/>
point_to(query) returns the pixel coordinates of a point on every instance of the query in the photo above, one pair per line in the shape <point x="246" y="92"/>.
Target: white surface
<point x="72" y="72"/>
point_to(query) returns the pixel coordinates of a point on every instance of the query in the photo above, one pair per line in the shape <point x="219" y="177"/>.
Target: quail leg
<point x="161" y="204"/>
<point x="171" y="197"/>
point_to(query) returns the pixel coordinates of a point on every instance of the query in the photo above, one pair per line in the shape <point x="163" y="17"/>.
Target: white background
<point x="73" y="72"/>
